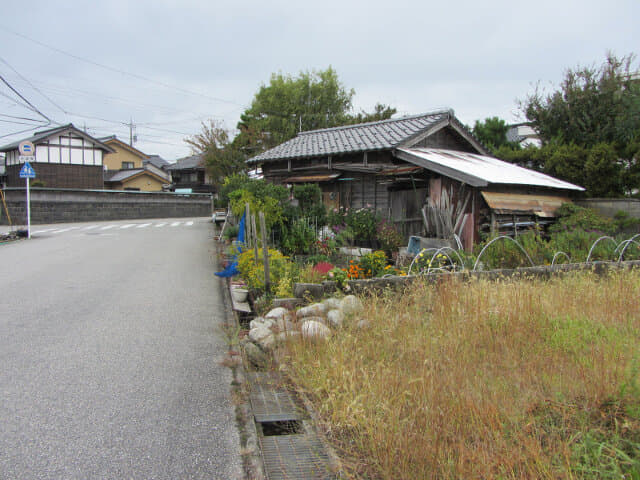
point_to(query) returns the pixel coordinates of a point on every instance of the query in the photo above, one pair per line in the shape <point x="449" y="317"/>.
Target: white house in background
<point x="523" y="134"/>
<point x="65" y="157"/>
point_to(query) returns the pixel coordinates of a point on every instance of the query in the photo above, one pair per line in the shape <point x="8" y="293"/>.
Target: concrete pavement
<point x="110" y="357"/>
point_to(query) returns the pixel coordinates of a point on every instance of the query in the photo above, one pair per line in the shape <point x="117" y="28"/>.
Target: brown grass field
<point x="482" y="380"/>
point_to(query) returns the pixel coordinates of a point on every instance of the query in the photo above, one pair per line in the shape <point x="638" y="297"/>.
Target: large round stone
<point x="335" y="318"/>
<point x="313" y="310"/>
<point x="350" y="305"/>
<point x="312" y="330"/>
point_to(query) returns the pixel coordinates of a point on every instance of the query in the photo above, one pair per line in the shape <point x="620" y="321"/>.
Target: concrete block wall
<point x="50" y="205"/>
<point x="610" y="206"/>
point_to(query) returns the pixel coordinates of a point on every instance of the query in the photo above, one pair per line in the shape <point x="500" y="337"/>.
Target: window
<point x="127" y="165"/>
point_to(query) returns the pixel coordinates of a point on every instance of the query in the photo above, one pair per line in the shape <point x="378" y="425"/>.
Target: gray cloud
<point x="474" y="57"/>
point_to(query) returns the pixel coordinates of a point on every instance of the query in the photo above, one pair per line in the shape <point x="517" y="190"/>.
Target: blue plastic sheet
<point x="232" y="269"/>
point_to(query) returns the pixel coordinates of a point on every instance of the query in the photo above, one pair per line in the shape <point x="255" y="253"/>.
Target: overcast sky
<point x="167" y="65"/>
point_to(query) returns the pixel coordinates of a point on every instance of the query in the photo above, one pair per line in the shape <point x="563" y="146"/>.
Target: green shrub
<point x="298" y="237"/>
<point x="373" y="264"/>
<point x="253" y="273"/>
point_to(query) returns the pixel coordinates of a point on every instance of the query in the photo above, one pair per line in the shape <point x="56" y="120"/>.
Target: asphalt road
<point x="111" y="346"/>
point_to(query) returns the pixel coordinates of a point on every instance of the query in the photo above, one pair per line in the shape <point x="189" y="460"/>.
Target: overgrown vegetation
<point x="530" y="379"/>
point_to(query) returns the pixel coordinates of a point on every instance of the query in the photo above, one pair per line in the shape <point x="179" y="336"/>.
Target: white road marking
<point x="90" y="227"/>
<point x="157" y="225"/>
<point x="44" y="231"/>
<point x="108" y="227"/>
<point x="188" y="224"/>
<point x="65" y="230"/>
<point x="128" y="225"/>
<point x="174" y="224"/>
<point x="143" y="225"/>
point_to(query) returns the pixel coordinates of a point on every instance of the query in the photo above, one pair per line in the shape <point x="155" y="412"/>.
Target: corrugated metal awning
<point x="540" y="205"/>
<point x="312" y="178"/>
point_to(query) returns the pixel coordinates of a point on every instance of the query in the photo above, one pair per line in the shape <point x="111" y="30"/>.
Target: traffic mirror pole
<point x="28" y="210"/>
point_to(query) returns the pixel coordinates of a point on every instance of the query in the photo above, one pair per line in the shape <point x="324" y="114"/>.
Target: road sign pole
<point x="28" y="210"/>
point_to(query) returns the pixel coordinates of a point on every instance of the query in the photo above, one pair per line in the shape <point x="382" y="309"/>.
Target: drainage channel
<point x="290" y="450"/>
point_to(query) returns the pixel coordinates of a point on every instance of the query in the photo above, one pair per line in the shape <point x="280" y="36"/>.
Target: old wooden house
<point x="426" y="173"/>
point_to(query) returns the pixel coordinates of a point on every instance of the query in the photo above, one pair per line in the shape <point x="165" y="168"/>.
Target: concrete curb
<point x="251" y="455"/>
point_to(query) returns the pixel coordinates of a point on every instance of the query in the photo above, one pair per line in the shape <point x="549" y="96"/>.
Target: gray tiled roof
<point x="382" y="135"/>
<point x="44" y="134"/>
<point x="186" y="163"/>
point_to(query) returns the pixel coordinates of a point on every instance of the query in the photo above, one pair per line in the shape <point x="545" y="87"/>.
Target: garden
<point x="307" y="243"/>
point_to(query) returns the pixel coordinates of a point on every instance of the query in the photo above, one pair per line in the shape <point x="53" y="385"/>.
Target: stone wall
<point x="318" y="291"/>
<point x="610" y="206"/>
<point x="50" y="205"/>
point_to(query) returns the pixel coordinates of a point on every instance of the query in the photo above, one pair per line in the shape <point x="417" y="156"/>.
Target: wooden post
<point x="265" y="253"/>
<point x="247" y="225"/>
<point x="254" y="233"/>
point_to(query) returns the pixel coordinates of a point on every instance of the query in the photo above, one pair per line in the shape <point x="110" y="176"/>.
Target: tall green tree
<point x="493" y="133"/>
<point x="592" y="105"/>
<point x="288" y="104"/>
<point x="220" y="157"/>
<point x="291" y="104"/>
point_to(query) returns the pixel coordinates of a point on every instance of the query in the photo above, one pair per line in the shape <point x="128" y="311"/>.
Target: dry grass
<point x="484" y="380"/>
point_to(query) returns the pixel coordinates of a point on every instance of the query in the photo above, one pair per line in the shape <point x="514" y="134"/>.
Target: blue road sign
<point x="27" y="171"/>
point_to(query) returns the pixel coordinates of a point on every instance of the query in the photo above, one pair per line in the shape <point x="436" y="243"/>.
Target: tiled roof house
<point x="402" y="166"/>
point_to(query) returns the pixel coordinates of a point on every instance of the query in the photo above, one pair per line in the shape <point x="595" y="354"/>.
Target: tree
<point x="219" y="156"/>
<point x="493" y="133"/>
<point x="290" y="104"/>
<point x="380" y="112"/>
<point x="593" y="105"/>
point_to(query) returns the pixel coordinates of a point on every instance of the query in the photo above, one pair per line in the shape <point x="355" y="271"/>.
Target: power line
<point x="25" y="100"/>
<point x="32" y="85"/>
<point x="122" y="72"/>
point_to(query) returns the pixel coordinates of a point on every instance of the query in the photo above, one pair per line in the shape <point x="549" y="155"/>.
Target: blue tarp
<point x="232" y="269"/>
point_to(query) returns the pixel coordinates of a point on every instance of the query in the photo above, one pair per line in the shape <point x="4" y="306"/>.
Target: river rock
<point x="335" y="317"/>
<point x="332" y="303"/>
<point x="313" y="330"/>
<point x="278" y="313"/>
<point x="255" y="355"/>
<point x="351" y="305"/>
<point x="313" y="310"/>
<point x="263" y="337"/>
<point x="260" y="322"/>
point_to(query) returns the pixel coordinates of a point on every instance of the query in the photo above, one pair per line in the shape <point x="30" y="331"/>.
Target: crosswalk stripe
<point x="44" y="231"/>
<point x="188" y="224"/>
<point x="91" y="227"/>
<point x="128" y="225"/>
<point x="157" y="225"/>
<point x="62" y="230"/>
<point x="108" y="227"/>
<point x="175" y="224"/>
<point x="143" y="225"/>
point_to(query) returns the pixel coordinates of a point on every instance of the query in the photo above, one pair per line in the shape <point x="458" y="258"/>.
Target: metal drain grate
<point x="270" y="401"/>
<point x="294" y="457"/>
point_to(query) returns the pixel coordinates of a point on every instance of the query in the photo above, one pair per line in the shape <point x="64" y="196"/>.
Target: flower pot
<point x="239" y="294"/>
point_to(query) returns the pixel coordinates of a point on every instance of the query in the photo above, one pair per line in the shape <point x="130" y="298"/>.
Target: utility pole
<point x="130" y="132"/>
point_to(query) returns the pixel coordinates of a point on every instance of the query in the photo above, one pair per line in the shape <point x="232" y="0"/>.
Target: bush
<point x="389" y="237"/>
<point x="572" y="216"/>
<point x="253" y="273"/>
<point x="362" y="223"/>
<point x="298" y="237"/>
<point x="373" y="264"/>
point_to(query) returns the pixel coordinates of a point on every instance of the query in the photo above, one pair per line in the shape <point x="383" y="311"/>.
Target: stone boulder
<point x="335" y="318"/>
<point x="278" y="313"/>
<point x="313" y="330"/>
<point x="263" y="337"/>
<point x="332" y="303"/>
<point x="351" y="305"/>
<point x="260" y="322"/>
<point x="255" y="355"/>
<point x="313" y="310"/>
